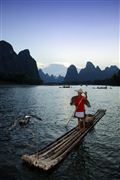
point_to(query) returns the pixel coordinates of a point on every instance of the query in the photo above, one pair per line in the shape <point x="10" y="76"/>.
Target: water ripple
<point x="96" y="157"/>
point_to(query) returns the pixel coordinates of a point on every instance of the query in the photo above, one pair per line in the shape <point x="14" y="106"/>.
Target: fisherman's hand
<point x="85" y="93"/>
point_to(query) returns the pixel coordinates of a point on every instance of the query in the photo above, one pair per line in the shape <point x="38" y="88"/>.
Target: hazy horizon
<point x="63" y="32"/>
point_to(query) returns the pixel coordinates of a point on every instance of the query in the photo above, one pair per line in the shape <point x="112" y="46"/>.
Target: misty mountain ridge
<point x="55" y="69"/>
<point x="88" y="74"/>
<point x="50" y="78"/>
<point x="22" y="68"/>
<point x="59" y="69"/>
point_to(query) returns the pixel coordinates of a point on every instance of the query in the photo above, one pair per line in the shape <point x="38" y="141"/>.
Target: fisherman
<point x="79" y="101"/>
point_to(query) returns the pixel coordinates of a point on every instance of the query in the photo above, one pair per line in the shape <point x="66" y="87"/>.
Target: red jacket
<point x="79" y="102"/>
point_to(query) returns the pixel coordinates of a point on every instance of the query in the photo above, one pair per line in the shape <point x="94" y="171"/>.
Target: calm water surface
<point x="96" y="158"/>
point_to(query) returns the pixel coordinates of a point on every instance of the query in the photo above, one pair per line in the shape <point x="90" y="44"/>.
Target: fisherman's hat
<point x="79" y="91"/>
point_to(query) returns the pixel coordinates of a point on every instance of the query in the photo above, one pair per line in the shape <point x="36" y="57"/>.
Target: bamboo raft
<point x="55" y="152"/>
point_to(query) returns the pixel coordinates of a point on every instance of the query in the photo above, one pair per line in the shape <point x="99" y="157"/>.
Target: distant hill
<point x="55" y="69"/>
<point x="71" y="75"/>
<point x="113" y="81"/>
<point x="49" y="79"/>
<point x="89" y="74"/>
<point x="19" y="68"/>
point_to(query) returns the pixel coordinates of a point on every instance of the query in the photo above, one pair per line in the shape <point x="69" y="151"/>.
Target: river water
<point x="97" y="157"/>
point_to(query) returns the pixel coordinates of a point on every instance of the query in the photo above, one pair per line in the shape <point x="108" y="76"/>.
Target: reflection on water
<point x="96" y="157"/>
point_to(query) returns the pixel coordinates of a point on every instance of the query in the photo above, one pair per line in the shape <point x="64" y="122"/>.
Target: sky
<point x="63" y="31"/>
